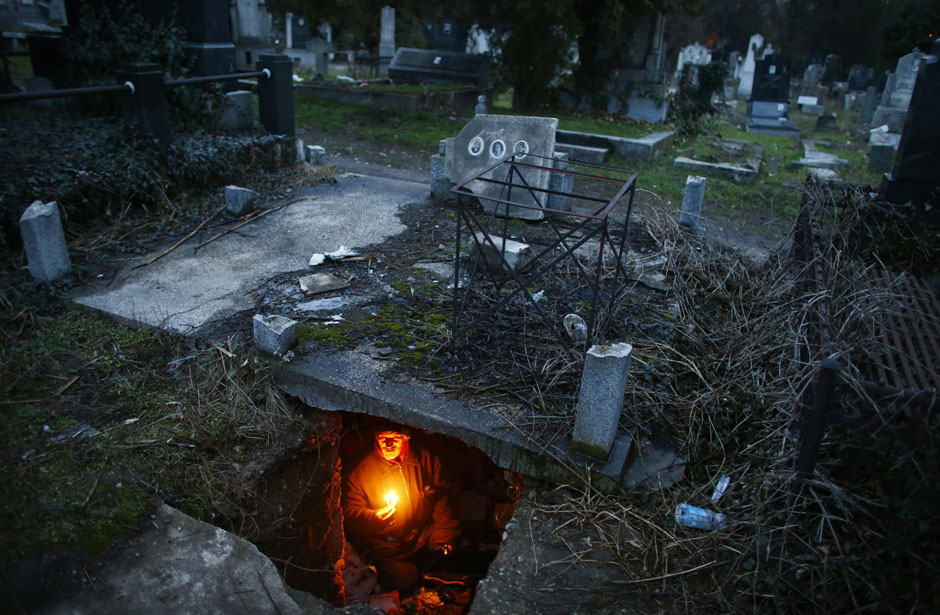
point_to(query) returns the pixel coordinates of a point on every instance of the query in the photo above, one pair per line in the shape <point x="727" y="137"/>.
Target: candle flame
<point x="391" y="499"/>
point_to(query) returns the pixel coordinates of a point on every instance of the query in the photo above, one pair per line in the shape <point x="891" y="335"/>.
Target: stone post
<point x="868" y="106"/>
<point x="44" y="241"/>
<point x="692" y="201"/>
<point x="209" y="31"/>
<point x="387" y="33"/>
<point x="603" y="384"/>
<point x="480" y="107"/>
<point x="146" y="111"/>
<point x="276" y="95"/>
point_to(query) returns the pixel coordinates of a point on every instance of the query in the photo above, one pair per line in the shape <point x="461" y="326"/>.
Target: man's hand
<point x="385" y="513"/>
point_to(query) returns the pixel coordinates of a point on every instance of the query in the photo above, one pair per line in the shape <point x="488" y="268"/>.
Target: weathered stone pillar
<point x="387" y="32"/>
<point x="276" y="95"/>
<point x="600" y="401"/>
<point x="46" y="251"/>
<point x="145" y="110"/>
<point x="692" y="201"/>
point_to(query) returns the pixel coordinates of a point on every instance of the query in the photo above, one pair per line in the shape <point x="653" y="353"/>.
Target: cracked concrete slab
<point x="187" y="289"/>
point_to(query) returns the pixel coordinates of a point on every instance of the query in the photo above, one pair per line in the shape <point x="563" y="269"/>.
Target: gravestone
<point x="898" y="91"/>
<point x="867" y="112"/>
<point x="694" y="54"/>
<point x="431" y="65"/>
<point x="831" y="69"/>
<point x="768" y="107"/>
<point x="746" y="74"/>
<point x="487" y="139"/>
<point x="47" y="254"/>
<point x="860" y="77"/>
<point x="811" y="78"/>
<point x="600" y="401"/>
<point x="883" y="146"/>
<point x="916" y="174"/>
<point x="210" y="45"/>
<point x="387" y="39"/>
<point x="692" y="201"/>
<point x="237" y="112"/>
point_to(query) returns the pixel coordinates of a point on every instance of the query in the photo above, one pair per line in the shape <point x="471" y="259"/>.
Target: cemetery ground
<point x="101" y="421"/>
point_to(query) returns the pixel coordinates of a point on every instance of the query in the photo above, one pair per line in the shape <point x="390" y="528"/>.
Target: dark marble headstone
<point x="916" y="174"/>
<point x="771" y="81"/>
<point x="860" y="77"/>
<point x="445" y="36"/>
<point x="210" y="36"/>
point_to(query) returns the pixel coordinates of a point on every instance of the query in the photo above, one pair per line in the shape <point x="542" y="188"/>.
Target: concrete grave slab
<point x="644" y="148"/>
<point x="741" y="171"/>
<point x="186" y="566"/>
<point x="186" y="290"/>
<point x="487" y="139"/>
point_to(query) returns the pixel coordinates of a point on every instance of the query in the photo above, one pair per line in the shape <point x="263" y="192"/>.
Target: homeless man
<point x="396" y="509"/>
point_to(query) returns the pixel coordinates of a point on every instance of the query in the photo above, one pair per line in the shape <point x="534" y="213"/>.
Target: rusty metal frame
<point x="584" y="227"/>
<point x="904" y="372"/>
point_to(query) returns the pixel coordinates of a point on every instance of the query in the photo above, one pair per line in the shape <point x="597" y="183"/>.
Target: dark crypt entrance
<point x="451" y="505"/>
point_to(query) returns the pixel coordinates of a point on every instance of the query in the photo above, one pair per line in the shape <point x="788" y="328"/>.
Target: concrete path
<point x="187" y="289"/>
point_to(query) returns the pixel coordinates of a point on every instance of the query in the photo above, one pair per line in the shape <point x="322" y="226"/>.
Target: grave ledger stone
<point x="916" y="174"/>
<point x="487" y="139"/>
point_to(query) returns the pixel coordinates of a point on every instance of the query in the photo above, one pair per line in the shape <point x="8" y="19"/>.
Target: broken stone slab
<point x="819" y="160"/>
<point x="826" y="121"/>
<point x="514" y="252"/>
<point x="317" y="283"/>
<point x="600" y="401"/>
<point x="443" y="271"/>
<point x="644" y="148"/>
<point x="274" y="334"/>
<point x="741" y="172"/>
<point x="181" y="565"/>
<point x="806" y="100"/>
<point x="47" y="254"/>
<point x="824" y="175"/>
<point x="816" y="110"/>
<point x="440" y="183"/>
<point x="239" y="201"/>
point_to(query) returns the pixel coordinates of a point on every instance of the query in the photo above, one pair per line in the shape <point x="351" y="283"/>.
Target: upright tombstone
<point x="487" y="139"/>
<point x="867" y="111"/>
<point x="692" y="201"/>
<point x="276" y="95"/>
<point x="746" y="74"/>
<point x="208" y="28"/>
<point x="769" y="105"/>
<point x="811" y="77"/>
<point x="387" y="33"/>
<point x="897" y="93"/>
<point x="860" y="77"/>
<point x="694" y="54"/>
<point x="916" y="174"/>
<point x="830" y="73"/>
<point x="600" y="402"/>
<point x="44" y="240"/>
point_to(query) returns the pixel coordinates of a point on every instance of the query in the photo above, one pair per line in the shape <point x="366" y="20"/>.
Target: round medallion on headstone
<point x="497" y="148"/>
<point x="521" y="148"/>
<point x="475" y="146"/>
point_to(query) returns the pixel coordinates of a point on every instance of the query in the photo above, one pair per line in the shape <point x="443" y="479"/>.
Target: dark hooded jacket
<point x="423" y="516"/>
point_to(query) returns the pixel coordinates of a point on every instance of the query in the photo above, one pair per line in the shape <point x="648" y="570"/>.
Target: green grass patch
<point x="100" y="419"/>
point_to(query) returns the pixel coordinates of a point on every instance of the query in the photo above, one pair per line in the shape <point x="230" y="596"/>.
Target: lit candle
<point x="391" y="499"/>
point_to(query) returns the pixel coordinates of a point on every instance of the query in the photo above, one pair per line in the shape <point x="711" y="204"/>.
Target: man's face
<point x="390" y="443"/>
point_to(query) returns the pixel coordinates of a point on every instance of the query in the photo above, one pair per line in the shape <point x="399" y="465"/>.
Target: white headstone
<point x="746" y="75"/>
<point x="905" y="74"/>
<point x="693" y="54"/>
<point x="487" y="139"/>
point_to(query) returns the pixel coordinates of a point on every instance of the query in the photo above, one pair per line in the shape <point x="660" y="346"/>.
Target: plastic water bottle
<point x="693" y="516"/>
